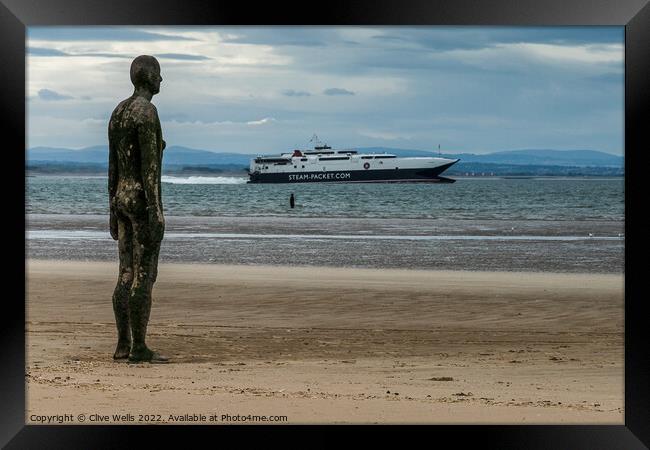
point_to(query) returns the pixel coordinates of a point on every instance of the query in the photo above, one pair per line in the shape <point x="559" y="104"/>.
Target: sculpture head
<point x="145" y="73"/>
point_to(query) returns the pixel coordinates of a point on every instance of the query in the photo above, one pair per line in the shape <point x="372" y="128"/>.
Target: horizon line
<point x="449" y="152"/>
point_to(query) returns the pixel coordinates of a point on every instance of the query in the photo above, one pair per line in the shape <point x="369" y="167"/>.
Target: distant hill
<point x="177" y="155"/>
<point x="575" y="158"/>
<point x="188" y="160"/>
<point x="557" y="157"/>
<point x="493" y="169"/>
<point x="96" y="154"/>
<point x="174" y="155"/>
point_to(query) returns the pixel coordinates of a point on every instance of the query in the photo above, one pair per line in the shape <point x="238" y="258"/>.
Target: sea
<point x="573" y="225"/>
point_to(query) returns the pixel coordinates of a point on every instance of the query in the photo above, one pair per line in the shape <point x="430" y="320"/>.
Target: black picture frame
<point x="16" y="15"/>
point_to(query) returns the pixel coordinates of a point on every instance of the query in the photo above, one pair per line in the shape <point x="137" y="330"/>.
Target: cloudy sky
<point x="266" y="90"/>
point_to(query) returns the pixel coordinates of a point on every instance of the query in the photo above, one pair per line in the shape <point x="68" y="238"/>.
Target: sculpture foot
<point x="147" y="355"/>
<point x="122" y="350"/>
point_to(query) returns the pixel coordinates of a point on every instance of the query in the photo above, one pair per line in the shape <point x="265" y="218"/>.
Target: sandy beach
<point x="329" y="345"/>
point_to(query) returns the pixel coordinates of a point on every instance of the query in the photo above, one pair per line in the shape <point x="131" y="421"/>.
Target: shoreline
<point x="63" y="266"/>
<point x="333" y="345"/>
<point x="237" y="175"/>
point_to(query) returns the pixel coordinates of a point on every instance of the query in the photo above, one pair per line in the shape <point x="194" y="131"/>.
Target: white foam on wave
<point x="203" y="180"/>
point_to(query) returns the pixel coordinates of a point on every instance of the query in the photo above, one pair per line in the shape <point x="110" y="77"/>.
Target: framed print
<point x="421" y="213"/>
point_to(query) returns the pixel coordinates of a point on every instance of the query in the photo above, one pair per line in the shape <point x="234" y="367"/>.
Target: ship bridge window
<point x="386" y="156"/>
<point x="334" y="158"/>
<point x="367" y="157"/>
<point x="273" y="160"/>
<point x="303" y="159"/>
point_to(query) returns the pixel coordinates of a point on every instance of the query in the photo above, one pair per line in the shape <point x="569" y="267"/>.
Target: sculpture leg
<point x="123" y="288"/>
<point x="145" y="264"/>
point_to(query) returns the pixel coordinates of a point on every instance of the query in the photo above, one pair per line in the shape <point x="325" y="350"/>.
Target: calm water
<point x="559" y="225"/>
<point x="473" y="199"/>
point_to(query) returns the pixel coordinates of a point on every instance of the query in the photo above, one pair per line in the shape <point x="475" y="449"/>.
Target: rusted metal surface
<point x="136" y="212"/>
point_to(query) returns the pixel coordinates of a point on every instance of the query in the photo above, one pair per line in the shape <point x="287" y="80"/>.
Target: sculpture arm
<point x="112" y="184"/>
<point x="151" y="171"/>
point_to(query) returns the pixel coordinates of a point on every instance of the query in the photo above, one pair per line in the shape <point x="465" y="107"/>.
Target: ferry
<point x="324" y="164"/>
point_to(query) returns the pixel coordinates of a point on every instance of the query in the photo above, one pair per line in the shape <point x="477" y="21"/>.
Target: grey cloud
<point x="283" y="36"/>
<point x="337" y="91"/>
<point x="38" y="51"/>
<point x="105" y="55"/>
<point x="117" y="33"/>
<point x="177" y="116"/>
<point x="183" y="56"/>
<point x="452" y="38"/>
<point x="388" y="37"/>
<point x="561" y="35"/>
<point x="276" y="42"/>
<point x="617" y="78"/>
<point x="292" y="93"/>
<point x="49" y="95"/>
<point x="434" y="39"/>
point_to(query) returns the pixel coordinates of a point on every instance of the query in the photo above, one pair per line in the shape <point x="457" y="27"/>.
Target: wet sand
<point x="397" y="243"/>
<point x="326" y="345"/>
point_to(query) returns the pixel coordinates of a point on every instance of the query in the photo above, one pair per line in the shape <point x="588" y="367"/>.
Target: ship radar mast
<point x="318" y="144"/>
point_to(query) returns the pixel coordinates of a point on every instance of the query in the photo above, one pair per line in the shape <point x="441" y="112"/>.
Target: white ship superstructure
<point x="322" y="163"/>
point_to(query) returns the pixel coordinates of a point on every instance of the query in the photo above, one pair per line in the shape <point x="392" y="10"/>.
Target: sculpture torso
<point x="134" y="119"/>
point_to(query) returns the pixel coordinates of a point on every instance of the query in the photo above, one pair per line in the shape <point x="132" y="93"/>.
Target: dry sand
<point x="327" y="345"/>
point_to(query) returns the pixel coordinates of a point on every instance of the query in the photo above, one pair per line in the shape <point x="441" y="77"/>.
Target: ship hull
<point x="422" y="175"/>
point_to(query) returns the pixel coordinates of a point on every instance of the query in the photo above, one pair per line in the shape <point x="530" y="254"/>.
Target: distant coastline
<point x="63" y="168"/>
<point x="184" y="161"/>
<point x="465" y="170"/>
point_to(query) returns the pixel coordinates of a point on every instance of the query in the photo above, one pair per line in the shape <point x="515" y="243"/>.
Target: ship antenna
<point x="438" y="149"/>
<point x="316" y="140"/>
